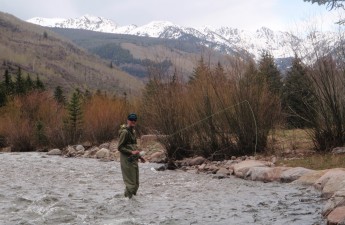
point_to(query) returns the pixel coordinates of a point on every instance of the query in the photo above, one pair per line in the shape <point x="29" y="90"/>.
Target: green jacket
<point x="127" y="141"/>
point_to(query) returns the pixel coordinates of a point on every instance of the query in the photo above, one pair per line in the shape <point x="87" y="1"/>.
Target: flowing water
<point x="40" y="189"/>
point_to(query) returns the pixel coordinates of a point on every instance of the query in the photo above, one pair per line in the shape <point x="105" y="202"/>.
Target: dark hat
<point x="132" y="117"/>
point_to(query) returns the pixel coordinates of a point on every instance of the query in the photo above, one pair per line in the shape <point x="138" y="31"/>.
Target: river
<point x="39" y="189"/>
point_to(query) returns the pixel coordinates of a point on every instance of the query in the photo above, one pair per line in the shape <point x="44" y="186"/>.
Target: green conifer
<point x="297" y="95"/>
<point x="269" y="73"/>
<point x="58" y="95"/>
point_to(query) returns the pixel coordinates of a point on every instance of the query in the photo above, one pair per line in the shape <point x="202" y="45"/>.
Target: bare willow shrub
<point x="208" y="101"/>
<point x="28" y="119"/>
<point x="326" y="72"/>
<point x="216" y="114"/>
<point x="328" y="123"/>
<point x="102" y="118"/>
<point x="164" y="113"/>
<point x="252" y="121"/>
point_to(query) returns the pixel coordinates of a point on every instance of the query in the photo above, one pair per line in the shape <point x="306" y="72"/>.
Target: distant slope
<point x="132" y="53"/>
<point x="57" y="61"/>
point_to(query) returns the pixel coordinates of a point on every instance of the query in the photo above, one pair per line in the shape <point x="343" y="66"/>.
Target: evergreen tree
<point x="19" y="84"/>
<point x="3" y="96"/>
<point x="39" y="84"/>
<point x="200" y="71"/>
<point x="75" y="115"/>
<point x="28" y="84"/>
<point x="58" y="95"/>
<point x="297" y="95"/>
<point x="39" y="133"/>
<point x="269" y="73"/>
<point x="8" y="84"/>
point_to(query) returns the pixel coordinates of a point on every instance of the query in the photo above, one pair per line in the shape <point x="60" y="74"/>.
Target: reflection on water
<point x="40" y="189"/>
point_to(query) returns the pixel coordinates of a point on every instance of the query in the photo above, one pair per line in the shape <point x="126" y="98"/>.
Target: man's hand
<point x="142" y="160"/>
<point x="136" y="152"/>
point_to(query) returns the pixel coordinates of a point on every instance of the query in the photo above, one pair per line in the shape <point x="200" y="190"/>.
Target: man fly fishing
<point x="129" y="156"/>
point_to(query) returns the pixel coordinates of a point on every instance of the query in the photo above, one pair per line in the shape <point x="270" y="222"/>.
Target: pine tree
<point x="75" y="115"/>
<point x="200" y="71"/>
<point x="8" y="84"/>
<point x="269" y="73"/>
<point x="19" y="84"/>
<point x="28" y="84"/>
<point x="3" y="97"/>
<point x="39" y="84"/>
<point x="297" y="95"/>
<point x="58" y="95"/>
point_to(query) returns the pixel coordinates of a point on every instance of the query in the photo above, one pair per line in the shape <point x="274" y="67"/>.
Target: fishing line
<point x="221" y="111"/>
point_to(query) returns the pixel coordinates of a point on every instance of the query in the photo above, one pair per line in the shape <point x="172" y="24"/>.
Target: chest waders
<point x="129" y="164"/>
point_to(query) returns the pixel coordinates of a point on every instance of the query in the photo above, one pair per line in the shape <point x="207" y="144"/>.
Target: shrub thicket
<point x="216" y="114"/>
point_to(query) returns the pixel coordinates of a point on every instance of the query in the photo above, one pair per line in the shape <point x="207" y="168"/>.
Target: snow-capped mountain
<point x="225" y="39"/>
<point x="85" y="22"/>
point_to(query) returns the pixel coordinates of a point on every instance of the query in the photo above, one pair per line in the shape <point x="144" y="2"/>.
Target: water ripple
<point x="36" y="189"/>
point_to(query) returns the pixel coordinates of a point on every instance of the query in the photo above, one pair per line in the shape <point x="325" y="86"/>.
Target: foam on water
<point x="39" y="189"/>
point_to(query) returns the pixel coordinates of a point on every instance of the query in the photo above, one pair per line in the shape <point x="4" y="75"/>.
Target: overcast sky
<point x="243" y="14"/>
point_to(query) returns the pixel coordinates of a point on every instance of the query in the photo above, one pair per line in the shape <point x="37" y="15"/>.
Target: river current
<point x="39" y="189"/>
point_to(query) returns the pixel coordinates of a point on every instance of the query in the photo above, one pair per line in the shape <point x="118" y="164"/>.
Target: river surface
<point x="39" y="189"/>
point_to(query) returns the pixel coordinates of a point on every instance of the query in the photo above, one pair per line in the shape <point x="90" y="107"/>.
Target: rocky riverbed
<point x="37" y="188"/>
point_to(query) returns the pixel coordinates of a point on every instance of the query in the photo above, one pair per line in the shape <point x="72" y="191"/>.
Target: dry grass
<point x="283" y="140"/>
<point x="316" y="161"/>
<point x="295" y="148"/>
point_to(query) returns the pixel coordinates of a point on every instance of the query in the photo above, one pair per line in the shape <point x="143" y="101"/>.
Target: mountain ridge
<point x="226" y="40"/>
<point x="57" y="61"/>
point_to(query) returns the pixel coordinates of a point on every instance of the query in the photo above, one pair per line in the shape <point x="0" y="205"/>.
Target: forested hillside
<point x="134" y="54"/>
<point x="42" y="53"/>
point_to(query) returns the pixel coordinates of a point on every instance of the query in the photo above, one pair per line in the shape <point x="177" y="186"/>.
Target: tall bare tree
<point x="332" y="4"/>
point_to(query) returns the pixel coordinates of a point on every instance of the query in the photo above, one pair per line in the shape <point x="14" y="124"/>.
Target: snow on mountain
<point x="153" y="29"/>
<point x="125" y="29"/>
<point x="225" y="39"/>
<point x="85" y="22"/>
<point x="46" y="22"/>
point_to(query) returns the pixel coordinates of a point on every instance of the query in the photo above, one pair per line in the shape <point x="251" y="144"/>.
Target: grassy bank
<point x="295" y="148"/>
<point x="316" y="161"/>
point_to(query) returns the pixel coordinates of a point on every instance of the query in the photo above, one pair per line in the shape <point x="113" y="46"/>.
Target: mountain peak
<point x="225" y="39"/>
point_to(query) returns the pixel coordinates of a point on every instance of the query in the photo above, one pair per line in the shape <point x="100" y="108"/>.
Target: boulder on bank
<point x="223" y="172"/>
<point x="240" y="169"/>
<point x="337" y="200"/>
<point x="265" y="174"/>
<point x="196" y="161"/>
<point x="55" y="151"/>
<point x="71" y="152"/>
<point x="331" y="182"/>
<point x="80" y="148"/>
<point x="103" y="153"/>
<point x="157" y="157"/>
<point x="310" y="178"/>
<point x="337" y="216"/>
<point x="293" y="174"/>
